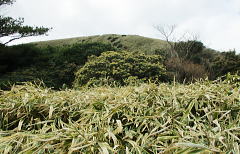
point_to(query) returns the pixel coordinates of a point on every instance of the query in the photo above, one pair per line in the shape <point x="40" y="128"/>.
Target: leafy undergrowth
<point x="168" y="118"/>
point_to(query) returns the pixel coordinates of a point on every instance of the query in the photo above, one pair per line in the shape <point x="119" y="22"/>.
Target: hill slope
<point x="30" y="62"/>
<point x="125" y="42"/>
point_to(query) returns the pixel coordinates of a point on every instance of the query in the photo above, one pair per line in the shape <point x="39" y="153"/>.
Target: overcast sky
<point x="216" y="22"/>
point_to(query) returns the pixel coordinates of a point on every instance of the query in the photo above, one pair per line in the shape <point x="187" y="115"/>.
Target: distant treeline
<point x="82" y="63"/>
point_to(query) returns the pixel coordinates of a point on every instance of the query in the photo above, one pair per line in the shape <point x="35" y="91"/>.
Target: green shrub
<point x="119" y="66"/>
<point x="29" y="74"/>
<point x="79" y="53"/>
<point x="15" y="57"/>
<point x="188" y="49"/>
<point x="227" y="62"/>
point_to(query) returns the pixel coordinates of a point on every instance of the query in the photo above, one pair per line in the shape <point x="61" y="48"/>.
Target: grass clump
<point x="166" y="118"/>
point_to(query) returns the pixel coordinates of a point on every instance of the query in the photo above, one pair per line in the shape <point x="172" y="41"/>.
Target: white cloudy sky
<point x="216" y="22"/>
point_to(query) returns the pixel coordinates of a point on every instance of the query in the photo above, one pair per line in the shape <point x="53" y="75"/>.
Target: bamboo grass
<point x="201" y="117"/>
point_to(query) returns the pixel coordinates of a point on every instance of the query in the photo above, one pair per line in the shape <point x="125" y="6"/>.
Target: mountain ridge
<point x="121" y="41"/>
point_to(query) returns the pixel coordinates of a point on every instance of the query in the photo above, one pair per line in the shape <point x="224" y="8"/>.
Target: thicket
<point x="79" y="53"/>
<point x="55" y="66"/>
<point x="227" y="62"/>
<point x="120" y="67"/>
<point x="12" y="58"/>
<point x="189" y="49"/>
<point x="185" y="71"/>
<point x="192" y="60"/>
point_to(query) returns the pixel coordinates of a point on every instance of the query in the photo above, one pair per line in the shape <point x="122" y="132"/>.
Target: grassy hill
<point x="124" y="42"/>
<point x="140" y="117"/>
<point x="30" y="62"/>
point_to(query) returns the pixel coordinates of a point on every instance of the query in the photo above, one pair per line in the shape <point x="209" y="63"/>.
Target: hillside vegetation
<point x="56" y="62"/>
<point x="168" y="118"/>
<point x="118" y="94"/>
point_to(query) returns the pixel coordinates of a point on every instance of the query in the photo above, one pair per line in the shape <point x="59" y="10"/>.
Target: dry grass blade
<point x="198" y="118"/>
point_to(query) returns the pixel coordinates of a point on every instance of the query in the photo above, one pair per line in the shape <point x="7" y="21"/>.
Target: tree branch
<point x="167" y="34"/>
<point x="16" y="38"/>
<point x="6" y="2"/>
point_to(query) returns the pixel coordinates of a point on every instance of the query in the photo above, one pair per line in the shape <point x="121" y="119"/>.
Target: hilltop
<point x="122" y="42"/>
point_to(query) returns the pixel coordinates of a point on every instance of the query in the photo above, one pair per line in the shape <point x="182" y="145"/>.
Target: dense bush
<point x="185" y="70"/>
<point x="216" y="63"/>
<point x="55" y="77"/>
<point x="69" y="59"/>
<point x="120" y="66"/>
<point x="188" y="49"/>
<point x="15" y="57"/>
<point x="227" y="62"/>
<point x="187" y="64"/>
<point x="79" y="53"/>
<point x="55" y="66"/>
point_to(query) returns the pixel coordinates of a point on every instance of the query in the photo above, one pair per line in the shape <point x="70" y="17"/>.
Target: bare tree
<point x="179" y="47"/>
<point x="188" y="46"/>
<point x="181" y="51"/>
<point x="167" y="34"/>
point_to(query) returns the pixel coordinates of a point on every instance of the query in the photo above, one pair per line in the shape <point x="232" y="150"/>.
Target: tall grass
<point x="202" y="117"/>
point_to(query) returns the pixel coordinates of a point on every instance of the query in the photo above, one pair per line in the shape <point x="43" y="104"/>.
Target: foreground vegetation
<point x="148" y="118"/>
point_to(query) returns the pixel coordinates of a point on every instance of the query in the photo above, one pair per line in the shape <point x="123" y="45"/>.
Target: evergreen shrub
<point x="120" y="67"/>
